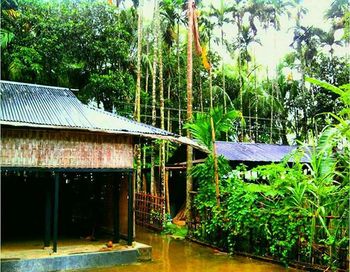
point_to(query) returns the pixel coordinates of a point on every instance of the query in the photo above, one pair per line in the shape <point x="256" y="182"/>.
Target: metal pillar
<point x="48" y="212"/>
<point x="55" y="211"/>
<point x="130" y="209"/>
<point x="116" y="193"/>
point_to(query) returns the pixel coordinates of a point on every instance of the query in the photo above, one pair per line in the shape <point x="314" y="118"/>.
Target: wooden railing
<point x="149" y="211"/>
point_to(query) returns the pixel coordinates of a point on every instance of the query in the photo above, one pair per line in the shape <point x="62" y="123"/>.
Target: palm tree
<point x="306" y="42"/>
<point x="171" y="11"/>
<point x="207" y="128"/>
<point x="201" y="128"/>
<point x="267" y="14"/>
<point x="328" y="40"/>
<point x="207" y="35"/>
<point x="338" y="13"/>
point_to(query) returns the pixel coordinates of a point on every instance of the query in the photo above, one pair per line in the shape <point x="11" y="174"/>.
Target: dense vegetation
<point x="137" y="68"/>
<point x="290" y="211"/>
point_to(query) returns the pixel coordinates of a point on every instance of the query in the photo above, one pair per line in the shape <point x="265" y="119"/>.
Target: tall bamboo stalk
<point x="144" y="158"/>
<point x="178" y="74"/>
<point x="168" y="116"/>
<point x="137" y="107"/>
<point x="250" y="118"/>
<point x="147" y="76"/>
<point x="302" y="71"/>
<point x="213" y="138"/>
<point x="239" y="23"/>
<point x="223" y="73"/>
<point x="271" y="117"/>
<point x="200" y="92"/>
<point x="189" y="109"/>
<point x="154" y="77"/>
<point x="162" y="116"/>
<point x="256" y="108"/>
<point x="137" y="110"/>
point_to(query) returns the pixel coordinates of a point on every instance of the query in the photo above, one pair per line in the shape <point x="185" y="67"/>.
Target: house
<point x="65" y="166"/>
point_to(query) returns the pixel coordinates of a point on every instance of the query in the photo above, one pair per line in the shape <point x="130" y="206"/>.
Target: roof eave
<point x="172" y="138"/>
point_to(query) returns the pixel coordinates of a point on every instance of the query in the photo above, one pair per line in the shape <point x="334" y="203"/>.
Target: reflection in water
<point x="175" y="255"/>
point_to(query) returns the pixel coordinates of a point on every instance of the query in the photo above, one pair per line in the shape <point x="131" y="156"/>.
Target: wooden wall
<point x="27" y="147"/>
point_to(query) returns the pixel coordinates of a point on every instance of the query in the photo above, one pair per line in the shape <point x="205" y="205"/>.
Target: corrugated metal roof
<point x="55" y="107"/>
<point x="251" y="152"/>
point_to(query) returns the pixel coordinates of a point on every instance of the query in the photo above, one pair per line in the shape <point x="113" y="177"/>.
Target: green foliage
<point x="109" y="89"/>
<point x="282" y="206"/>
<point x="277" y="208"/>
<point x="82" y="45"/>
<point x="201" y="126"/>
<point x="6" y="37"/>
<point x="178" y="232"/>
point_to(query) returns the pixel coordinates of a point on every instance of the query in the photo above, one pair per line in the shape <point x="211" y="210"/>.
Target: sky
<point x="275" y="43"/>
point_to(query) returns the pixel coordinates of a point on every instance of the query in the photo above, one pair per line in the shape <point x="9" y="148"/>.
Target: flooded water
<point x="180" y="255"/>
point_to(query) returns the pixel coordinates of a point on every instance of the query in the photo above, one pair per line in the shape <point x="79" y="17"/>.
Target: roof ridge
<point x="56" y="106"/>
<point x="38" y="85"/>
<point x="247" y="143"/>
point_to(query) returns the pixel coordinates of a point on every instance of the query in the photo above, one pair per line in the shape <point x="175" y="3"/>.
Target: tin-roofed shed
<point x="255" y="152"/>
<point x="250" y="154"/>
<point x="51" y="144"/>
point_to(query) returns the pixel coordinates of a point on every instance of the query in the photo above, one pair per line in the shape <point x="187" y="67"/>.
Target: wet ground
<point x="34" y="249"/>
<point x="180" y="255"/>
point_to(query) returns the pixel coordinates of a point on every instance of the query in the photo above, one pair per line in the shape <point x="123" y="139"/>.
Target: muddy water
<point x="175" y="255"/>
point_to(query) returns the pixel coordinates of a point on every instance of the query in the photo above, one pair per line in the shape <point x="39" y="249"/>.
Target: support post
<point x="116" y="192"/>
<point x="167" y="192"/>
<point x="48" y="212"/>
<point x="130" y="209"/>
<point x="55" y="210"/>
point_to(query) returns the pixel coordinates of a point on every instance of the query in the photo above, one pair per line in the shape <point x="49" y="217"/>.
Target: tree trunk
<point x="162" y="116"/>
<point x="302" y="81"/>
<point x="200" y="92"/>
<point x="168" y="115"/>
<point x="284" y="133"/>
<point x="189" y="109"/>
<point x="137" y="109"/>
<point x="213" y="137"/>
<point x="178" y="74"/>
<point x="223" y="76"/>
<point x="250" y="119"/>
<point x="155" y="63"/>
<point x="239" y="24"/>
<point x="271" y="117"/>
<point x="256" y="110"/>
<point x="144" y="159"/>
<point x="146" y="80"/>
